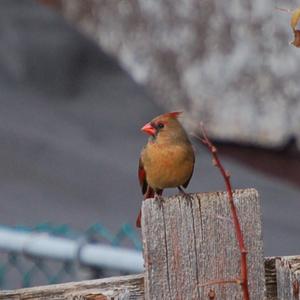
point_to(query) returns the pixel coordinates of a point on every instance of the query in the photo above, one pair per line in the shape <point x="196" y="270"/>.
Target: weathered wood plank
<point x="188" y="243"/>
<point x="288" y="277"/>
<point x="114" y="288"/>
<point x="270" y="278"/>
<point x="134" y="285"/>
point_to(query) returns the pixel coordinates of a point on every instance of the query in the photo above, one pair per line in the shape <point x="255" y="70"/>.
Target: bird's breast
<point x="168" y="166"/>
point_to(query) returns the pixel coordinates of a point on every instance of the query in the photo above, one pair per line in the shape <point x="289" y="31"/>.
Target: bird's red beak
<point x="149" y="129"/>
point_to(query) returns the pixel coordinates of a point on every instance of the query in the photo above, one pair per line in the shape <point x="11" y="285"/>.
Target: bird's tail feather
<point x="149" y="194"/>
<point x="138" y="220"/>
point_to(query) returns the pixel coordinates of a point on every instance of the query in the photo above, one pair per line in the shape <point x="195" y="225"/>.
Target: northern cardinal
<point x="167" y="160"/>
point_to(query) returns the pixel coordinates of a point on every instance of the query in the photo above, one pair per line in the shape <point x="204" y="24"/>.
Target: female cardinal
<point x="167" y="160"/>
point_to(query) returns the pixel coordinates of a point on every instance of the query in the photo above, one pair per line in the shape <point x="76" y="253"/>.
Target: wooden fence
<point x="189" y="243"/>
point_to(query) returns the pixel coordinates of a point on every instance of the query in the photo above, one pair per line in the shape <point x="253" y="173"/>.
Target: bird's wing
<point x="142" y="177"/>
<point x="188" y="181"/>
<point x="147" y="191"/>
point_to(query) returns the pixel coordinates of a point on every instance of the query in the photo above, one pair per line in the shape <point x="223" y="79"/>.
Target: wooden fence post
<point x="189" y="243"/>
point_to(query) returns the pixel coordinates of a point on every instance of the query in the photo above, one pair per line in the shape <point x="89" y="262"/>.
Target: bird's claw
<point x="186" y="196"/>
<point x="160" y="200"/>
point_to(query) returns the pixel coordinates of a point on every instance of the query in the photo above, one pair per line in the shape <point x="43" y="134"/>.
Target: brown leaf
<point x="295" y="18"/>
<point x="294" y="23"/>
<point x="296" y="41"/>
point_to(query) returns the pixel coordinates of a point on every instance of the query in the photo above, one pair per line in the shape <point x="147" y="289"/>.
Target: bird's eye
<point x="160" y="125"/>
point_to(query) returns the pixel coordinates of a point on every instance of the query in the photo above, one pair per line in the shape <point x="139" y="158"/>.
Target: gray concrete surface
<point x="70" y="139"/>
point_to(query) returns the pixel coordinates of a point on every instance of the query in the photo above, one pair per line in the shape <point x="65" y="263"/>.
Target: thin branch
<point x="284" y="9"/>
<point x="239" y="235"/>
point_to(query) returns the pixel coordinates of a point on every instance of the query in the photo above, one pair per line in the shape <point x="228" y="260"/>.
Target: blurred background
<point x="78" y="78"/>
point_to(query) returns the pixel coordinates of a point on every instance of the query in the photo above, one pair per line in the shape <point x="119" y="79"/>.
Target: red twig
<point x="239" y="235"/>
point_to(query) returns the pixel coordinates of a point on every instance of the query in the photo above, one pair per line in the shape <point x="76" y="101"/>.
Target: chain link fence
<point x="48" y="254"/>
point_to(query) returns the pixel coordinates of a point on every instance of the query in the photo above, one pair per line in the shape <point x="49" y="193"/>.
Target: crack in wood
<point x="167" y="255"/>
<point x="201" y="221"/>
<point x="195" y="249"/>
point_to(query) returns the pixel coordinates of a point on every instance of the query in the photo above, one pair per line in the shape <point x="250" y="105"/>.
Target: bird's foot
<point x="185" y="195"/>
<point x="160" y="200"/>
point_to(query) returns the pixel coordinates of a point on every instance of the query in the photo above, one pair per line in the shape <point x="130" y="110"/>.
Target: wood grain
<point x="288" y="277"/>
<point x="189" y="242"/>
<point x="115" y="288"/>
<point x="126" y="287"/>
<point x="271" y="278"/>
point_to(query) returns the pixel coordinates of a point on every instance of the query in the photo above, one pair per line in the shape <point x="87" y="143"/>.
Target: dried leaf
<point x="295" y="18"/>
<point x="296" y="41"/>
<point x="294" y="23"/>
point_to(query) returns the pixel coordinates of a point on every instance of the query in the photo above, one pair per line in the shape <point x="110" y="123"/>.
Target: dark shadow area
<point x="283" y="164"/>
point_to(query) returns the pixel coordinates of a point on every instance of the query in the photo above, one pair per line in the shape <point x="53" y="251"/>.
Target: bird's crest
<point x="174" y="114"/>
